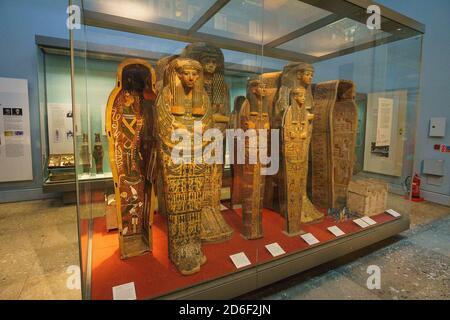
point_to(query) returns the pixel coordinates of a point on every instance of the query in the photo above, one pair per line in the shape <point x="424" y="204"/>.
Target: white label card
<point x="275" y="249"/>
<point x="237" y="206"/>
<point x="369" y="221"/>
<point x="240" y="260"/>
<point x="125" y="291"/>
<point x="336" y="231"/>
<point x="361" y="223"/>
<point x="393" y="213"/>
<point x="309" y="238"/>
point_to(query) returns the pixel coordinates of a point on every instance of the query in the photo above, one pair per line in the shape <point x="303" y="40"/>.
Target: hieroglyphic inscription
<point x="182" y="102"/>
<point x="124" y="126"/>
<point x="214" y="226"/>
<point x="297" y="129"/>
<point x="334" y="142"/>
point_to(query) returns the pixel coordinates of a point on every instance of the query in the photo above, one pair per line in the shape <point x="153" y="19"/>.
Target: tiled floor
<point x="38" y="243"/>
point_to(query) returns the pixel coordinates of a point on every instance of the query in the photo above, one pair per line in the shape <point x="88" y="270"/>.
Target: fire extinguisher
<point x="415" y="194"/>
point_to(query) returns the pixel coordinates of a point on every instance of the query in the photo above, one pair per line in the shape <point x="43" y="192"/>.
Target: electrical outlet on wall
<point x="437" y="127"/>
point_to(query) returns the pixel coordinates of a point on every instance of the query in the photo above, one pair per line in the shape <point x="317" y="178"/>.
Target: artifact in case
<point x="125" y="124"/>
<point x="295" y="101"/>
<point x="367" y="196"/>
<point x="333" y="142"/>
<point x="248" y="178"/>
<point x="183" y="104"/>
<point x="214" y="226"/>
<point x="98" y="154"/>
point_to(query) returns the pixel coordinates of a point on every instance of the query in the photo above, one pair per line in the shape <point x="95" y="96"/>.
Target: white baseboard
<point x="25" y="195"/>
<point x="436" y="197"/>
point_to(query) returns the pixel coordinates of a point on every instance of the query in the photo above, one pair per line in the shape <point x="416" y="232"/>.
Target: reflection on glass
<point x="284" y="16"/>
<point x="174" y="13"/>
<point x="131" y="42"/>
<point x="339" y="35"/>
<point x="239" y="20"/>
<point x="243" y="20"/>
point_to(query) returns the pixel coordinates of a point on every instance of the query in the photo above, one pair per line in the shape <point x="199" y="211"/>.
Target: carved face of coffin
<point x="188" y="76"/>
<point x="305" y="76"/>
<point x="258" y="88"/>
<point x="209" y="64"/>
<point x="299" y="95"/>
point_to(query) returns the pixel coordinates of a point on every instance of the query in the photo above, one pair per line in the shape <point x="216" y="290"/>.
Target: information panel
<point x="15" y="142"/>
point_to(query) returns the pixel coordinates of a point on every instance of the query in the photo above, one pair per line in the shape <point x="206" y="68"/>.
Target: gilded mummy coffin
<point x="248" y="178"/>
<point x="128" y="114"/>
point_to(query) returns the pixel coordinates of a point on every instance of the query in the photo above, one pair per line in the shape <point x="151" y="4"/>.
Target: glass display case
<point x="58" y="126"/>
<point x="308" y="111"/>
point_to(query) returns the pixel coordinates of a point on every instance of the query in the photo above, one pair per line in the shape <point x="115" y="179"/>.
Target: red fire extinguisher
<point x="415" y="189"/>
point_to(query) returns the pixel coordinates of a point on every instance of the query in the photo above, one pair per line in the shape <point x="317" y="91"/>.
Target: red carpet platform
<point x="154" y="275"/>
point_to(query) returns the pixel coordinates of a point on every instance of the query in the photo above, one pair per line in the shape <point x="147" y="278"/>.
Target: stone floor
<point x="413" y="265"/>
<point x="38" y="245"/>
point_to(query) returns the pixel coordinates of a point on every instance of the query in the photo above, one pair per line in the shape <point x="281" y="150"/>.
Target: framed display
<point x="15" y="140"/>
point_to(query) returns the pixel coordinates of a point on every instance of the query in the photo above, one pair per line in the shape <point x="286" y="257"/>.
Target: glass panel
<point x="337" y="116"/>
<point x="131" y="43"/>
<point x="339" y="35"/>
<point x="250" y="62"/>
<point x="174" y="13"/>
<point x="390" y="72"/>
<point x="238" y="19"/>
<point x="79" y="108"/>
<point x="284" y="16"/>
<point x="106" y="50"/>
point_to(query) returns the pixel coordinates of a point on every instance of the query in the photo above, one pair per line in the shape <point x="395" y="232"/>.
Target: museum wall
<point x="435" y="82"/>
<point x="20" y="22"/>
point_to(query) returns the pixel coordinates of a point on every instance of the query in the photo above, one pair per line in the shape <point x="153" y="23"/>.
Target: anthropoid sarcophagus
<point x="162" y="68"/>
<point x="296" y="137"/>
<point x="294" y="103"/>
<point x="248" y="175"/>
<point x="214" y="226"/>
<point x="272" y="85"/>
<point x="235" y="123"/>
<point x="333" y="142"/>
<point x="182" y="102"/>
<point x="125" y="123"/>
